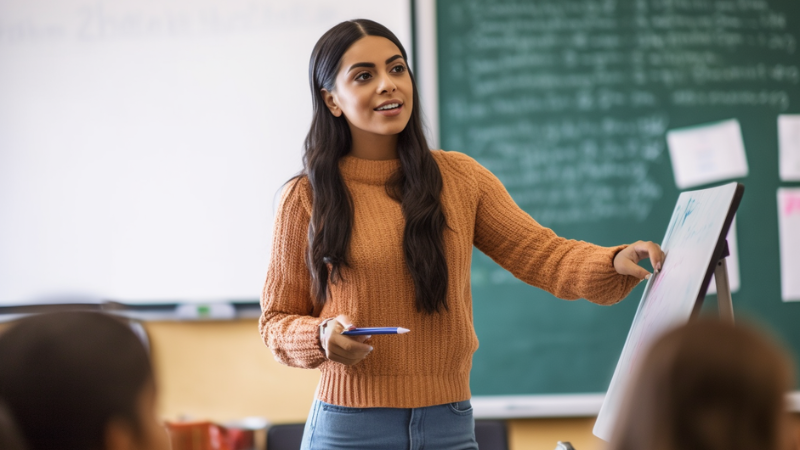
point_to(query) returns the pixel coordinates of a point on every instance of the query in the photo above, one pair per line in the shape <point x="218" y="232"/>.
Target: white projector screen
<point x="143" y="143"/>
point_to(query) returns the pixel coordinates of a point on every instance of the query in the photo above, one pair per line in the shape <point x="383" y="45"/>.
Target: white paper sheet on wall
<point x="732" y="262"/>
<point x="707" y="153"/>
<point x="789" y="231"/>
<point x="789" y="146"/>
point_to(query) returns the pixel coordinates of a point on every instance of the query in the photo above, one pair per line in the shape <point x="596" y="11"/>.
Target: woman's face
<point x="373" y="89"/>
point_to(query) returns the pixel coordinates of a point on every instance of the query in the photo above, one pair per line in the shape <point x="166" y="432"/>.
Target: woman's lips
<point x="390" y="112"/>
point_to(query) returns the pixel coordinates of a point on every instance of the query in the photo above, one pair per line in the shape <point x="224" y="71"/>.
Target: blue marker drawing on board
<point x="671" y="227"/>
<point x="689" y="209"/>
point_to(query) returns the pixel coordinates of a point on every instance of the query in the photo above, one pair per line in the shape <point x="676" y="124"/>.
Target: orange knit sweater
<point x="431" y="364"/>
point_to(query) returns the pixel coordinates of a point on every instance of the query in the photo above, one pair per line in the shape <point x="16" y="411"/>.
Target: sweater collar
<point x="366" y="170"/>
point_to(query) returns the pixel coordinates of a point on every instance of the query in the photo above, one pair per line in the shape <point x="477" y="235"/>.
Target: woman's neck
<point x="374" y="146"/>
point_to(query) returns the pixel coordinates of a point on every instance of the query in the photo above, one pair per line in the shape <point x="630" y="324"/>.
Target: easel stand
<point x="724" y="301"/>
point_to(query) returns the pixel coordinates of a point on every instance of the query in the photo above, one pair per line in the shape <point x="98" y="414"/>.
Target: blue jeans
<point x="441" y="427"/>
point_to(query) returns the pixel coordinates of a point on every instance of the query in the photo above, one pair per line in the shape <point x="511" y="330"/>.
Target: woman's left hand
<point x="627" y="260"/>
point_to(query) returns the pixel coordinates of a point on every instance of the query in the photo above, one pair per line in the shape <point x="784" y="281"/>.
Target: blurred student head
<point x="708" y="385"/>
<point x="10" y="439"/>
<point x="79" y="381"/>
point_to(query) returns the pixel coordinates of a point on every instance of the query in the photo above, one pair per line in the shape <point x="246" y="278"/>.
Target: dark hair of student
<point x="10" y="439"/>
<point x="417" y="185"/>
<point x="65" y="375"/>
<point x="708" y="386"/>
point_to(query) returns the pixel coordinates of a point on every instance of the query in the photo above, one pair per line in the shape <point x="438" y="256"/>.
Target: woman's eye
<point x="400" y="68"/>
<point x="363" y="76"/>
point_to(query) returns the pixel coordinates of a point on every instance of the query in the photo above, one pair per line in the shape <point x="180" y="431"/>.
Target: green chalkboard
<point x="568" y="103"/>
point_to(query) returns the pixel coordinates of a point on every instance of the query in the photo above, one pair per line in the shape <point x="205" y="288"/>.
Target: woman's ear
<point x="119" y="435"/>
<point x="330" y="102"/>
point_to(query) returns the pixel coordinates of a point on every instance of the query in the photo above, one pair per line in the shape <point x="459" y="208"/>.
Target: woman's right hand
<point x="347" y="350"/>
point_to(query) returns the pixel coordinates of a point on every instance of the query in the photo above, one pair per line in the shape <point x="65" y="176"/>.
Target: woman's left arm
<point x="566" y="268"/>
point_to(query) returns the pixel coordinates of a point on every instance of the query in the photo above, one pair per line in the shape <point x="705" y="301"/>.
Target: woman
<point x="378" y="230"/>
<point x="708" y="386"/>
<point x="79" y="381"/>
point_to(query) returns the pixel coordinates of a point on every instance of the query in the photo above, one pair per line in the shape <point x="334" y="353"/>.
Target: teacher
<point x="378" y="230"/>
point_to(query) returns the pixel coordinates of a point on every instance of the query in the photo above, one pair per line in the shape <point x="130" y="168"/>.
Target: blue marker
<point x="377" y="330"/>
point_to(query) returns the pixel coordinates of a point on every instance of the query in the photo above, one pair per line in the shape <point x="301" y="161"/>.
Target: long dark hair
<point x="417" y="184"/>
<point x="64" y="376"/>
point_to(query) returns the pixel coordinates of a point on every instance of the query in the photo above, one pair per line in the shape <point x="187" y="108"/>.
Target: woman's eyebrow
<point x="371" y="65"/>
<point x="361" y="64"/>
<point x="393" y="58"/>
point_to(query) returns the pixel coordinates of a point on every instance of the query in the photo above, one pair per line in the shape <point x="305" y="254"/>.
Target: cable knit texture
<point x="431" y="364"/>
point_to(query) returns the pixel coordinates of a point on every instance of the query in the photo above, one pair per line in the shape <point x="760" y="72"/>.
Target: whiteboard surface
<point x="670" y="296"/>
<point x="143" y="143"/>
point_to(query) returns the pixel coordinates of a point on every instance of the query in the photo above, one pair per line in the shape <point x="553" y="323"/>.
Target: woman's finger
<point x="338" y="351"/>
<point x="340" y="355"/>
<point x="345" y="321"/>
<point x="349" y="344"/>
<point x="649" y="250"/>
<point x="631" y="268"/>
<point x="656" y="255"/>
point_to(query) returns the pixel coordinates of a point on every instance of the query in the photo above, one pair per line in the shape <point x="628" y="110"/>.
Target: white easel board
<point x="699" y="224"/>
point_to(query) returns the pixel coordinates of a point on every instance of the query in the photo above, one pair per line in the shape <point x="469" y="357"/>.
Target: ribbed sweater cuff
<point x="295" y="342"/>
<point x="609" y="286"/>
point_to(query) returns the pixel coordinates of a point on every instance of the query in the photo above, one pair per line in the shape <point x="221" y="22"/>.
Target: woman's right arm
<point x="288" y="324"/>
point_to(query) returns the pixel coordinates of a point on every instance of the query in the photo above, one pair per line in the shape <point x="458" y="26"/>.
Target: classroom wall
<point x="222" y="371"/>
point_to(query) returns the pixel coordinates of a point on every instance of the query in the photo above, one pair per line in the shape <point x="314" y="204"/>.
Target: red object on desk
<point x="208" y="436"/>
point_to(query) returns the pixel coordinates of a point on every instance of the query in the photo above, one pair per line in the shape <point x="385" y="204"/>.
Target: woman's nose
<point x="386" y="84"/>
